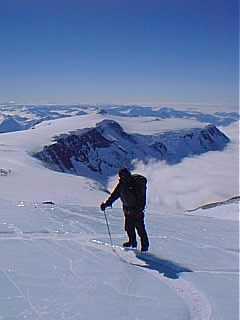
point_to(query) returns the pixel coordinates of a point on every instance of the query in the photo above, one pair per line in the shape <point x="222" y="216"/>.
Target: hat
<point x="124" y="172"/>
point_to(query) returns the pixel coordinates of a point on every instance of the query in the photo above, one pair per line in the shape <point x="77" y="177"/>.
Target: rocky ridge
<point x="102" y="150"/>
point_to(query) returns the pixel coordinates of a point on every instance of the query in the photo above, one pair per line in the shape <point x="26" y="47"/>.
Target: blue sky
<point x="112" y="51"/>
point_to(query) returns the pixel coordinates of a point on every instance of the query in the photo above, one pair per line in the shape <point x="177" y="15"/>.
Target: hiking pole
<point x="110" y="237"/>
<point x="109" y="233"/>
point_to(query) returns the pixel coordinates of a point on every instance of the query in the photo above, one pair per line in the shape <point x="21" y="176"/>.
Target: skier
<point x="131" y="189"/>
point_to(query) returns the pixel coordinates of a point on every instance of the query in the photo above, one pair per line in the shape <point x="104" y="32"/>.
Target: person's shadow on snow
<point x="168" y="268"/>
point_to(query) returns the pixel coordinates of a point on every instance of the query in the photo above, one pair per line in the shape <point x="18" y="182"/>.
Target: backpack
<point x="140" y="184"/>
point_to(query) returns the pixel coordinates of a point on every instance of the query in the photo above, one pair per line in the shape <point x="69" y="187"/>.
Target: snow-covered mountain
<point x="22" y="117"/>
<point x="29" y="115"/>
<point x="10" y="124"/>
<point x="216" y="118"/>
<point x="107" y="147"/>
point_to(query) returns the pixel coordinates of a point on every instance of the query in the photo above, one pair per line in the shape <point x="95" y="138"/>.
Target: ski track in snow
<point x="198" y="305"/>
<point x="196" y="302"/>
<point x="25" y="297"/>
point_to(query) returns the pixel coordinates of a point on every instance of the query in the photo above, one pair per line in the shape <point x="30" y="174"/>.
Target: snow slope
<point x="56" y="264"/>
<point x="56" y="261"/>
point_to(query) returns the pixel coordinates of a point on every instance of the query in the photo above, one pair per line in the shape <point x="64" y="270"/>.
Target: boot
<point x="129" y="244"/>
<point x="144" y="249"/>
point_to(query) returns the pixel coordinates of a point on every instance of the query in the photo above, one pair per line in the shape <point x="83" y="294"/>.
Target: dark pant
<point x="136" y="221"/>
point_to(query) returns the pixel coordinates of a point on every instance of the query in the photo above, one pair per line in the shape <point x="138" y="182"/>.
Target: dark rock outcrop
<point x="107" y="147"/>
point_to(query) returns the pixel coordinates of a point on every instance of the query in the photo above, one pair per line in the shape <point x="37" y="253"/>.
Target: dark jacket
<point x="126" y="191"/>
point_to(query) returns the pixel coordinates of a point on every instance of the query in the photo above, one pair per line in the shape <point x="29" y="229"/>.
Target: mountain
<point x="29" y="115"/>
<point x="22" y="117"/>
<point x="107" y="147"/>
<point x="216" y="118"/>
<point x="10" y="124"/>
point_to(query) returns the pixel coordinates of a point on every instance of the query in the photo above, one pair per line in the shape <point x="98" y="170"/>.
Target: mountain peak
<point x="107" y="147"/>
<point x="10" y="124"/>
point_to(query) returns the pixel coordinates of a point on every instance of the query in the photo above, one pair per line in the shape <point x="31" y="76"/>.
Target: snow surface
<point x="56" y="261"/>
<point x="55" y="264"/>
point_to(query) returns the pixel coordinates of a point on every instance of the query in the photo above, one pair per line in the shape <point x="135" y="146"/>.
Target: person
<point x="133" y="201"/>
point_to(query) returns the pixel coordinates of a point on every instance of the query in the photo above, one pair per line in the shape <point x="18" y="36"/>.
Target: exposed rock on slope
<point x="235" y="199"/>
<point x="102" y="150"/>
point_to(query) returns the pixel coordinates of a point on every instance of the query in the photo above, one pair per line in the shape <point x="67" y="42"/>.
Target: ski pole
<point x="109" y="233"/>
<point x="110" y="237"/>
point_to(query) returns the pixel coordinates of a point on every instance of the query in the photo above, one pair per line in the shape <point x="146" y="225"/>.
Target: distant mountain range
<point x="218" y="118"/>
<point x="17" y="117"/>
<point x="103" y="149"/>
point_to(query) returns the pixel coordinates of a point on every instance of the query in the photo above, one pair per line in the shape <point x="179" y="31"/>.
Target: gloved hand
<point x="103" y="206"/>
